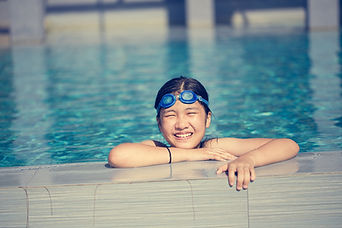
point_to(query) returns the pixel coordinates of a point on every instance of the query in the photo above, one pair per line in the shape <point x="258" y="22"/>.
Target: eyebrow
<point x="192" y="108"/>
<point x="168" y="111"/>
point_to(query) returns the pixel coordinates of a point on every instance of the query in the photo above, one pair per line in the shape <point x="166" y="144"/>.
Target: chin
<point x="186" y="145"/>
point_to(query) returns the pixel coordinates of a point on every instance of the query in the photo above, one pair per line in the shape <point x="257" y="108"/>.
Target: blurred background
<point x="38" y="20"/>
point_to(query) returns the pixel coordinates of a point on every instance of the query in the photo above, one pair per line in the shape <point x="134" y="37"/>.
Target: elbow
<point x="293" y="147"/>
<point x="117" y="157"/>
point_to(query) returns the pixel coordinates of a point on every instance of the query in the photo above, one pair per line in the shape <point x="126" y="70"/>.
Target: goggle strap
<point x="203" y="100"/>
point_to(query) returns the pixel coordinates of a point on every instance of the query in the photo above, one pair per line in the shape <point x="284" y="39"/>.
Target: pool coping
<point x="99" y="172"/>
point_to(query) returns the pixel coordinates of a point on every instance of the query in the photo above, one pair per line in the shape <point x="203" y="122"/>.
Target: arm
<point x="253" y="153"/>
<point x="153" y="153"/>
<point x="142" y="154"/>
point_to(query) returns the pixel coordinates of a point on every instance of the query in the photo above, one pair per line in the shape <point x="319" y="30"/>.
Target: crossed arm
<point x="245" y="155"/>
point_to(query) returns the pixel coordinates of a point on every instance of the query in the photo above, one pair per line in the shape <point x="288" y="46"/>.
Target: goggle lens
<point x="188" y="97"/>
<point x="168" y="100"/>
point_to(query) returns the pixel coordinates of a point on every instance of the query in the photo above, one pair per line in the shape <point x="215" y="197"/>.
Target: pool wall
<point x="25" y="21"/>
<point x="301" y="192"/>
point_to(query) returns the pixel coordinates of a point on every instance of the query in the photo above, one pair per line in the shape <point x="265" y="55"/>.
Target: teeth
<point x="183" y="135"/>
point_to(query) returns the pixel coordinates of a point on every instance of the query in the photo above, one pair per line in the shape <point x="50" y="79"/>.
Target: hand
<point x="243" y="167"/>
<point x="219" y="154"/>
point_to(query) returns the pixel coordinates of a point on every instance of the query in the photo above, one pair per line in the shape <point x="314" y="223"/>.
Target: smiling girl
<point x="183" y="114"/>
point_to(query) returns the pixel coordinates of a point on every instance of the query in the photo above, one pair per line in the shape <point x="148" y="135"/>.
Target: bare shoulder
<point x="220" y="142"/>
<point x="153" y="143"/>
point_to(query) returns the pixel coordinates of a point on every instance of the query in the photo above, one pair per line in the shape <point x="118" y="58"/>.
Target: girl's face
<point x="183" y="125"/>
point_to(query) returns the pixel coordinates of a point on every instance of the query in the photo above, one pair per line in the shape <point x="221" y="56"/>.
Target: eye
<point x="192" y="113"/>
<point x="169" y="115"/>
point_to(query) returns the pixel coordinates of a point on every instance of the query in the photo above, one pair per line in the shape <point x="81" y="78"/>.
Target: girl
<point x="183" y="114"/>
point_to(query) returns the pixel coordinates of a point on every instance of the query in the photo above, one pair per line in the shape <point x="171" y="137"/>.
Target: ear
<point x="208" y="120"/>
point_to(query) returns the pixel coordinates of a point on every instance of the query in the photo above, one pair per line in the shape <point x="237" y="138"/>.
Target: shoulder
<point x="153" y="143"/>
<point x="218" y="142"/>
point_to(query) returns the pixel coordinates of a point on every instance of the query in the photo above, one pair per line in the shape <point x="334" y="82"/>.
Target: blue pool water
<point x="64" y="103"/>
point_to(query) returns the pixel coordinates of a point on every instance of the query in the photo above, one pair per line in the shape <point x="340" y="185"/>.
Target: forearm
<point x="274" y="151"/>
<point x="137" y="154"/>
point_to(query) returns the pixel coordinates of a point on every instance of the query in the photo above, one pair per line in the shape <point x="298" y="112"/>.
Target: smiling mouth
<point x="183" y="136"/>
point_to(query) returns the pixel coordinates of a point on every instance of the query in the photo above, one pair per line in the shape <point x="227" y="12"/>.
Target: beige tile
<point x="72" y="174"/>
<point x="13" y="209"/>
<point x="16" y="177"/>
<point x="218" y="205"/>
<point x="296" y="201"/>
<point x="146" y="204"/>
<point x="41" y="206"/>
<point x="61" y="206"/>
<point x="94" y="173"/>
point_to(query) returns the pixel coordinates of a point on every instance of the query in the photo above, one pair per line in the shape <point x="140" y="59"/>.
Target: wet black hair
<point x="178" y="85"/>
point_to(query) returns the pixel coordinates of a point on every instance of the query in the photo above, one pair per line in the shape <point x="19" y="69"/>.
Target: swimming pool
<point x="66" y="103"/>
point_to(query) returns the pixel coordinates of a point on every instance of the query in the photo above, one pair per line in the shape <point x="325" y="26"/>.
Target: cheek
<point x="201" y="121"/>
<point x="165" y="126"/>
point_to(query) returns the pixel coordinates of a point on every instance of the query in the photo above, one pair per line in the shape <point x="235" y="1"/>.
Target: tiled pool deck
<point x="302" y="192"/>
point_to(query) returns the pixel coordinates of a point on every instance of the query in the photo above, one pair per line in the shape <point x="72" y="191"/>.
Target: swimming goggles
<point x="186" y="97"/>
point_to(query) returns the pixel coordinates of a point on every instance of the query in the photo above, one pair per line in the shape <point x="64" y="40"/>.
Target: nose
<point x="181" y="123"/>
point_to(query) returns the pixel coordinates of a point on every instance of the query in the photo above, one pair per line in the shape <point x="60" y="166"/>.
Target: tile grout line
<point x="51" y="207"/>
<point x="192" y="201"/>
<point x="27" y="207"/>
<point x="94" y="204"/>
<point x="248" y="209"/>
<point x="31" y="178"/>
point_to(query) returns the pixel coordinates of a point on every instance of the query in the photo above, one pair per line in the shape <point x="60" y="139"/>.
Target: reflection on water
<point x="326" y="85"/>
<point x="73" y="103"/>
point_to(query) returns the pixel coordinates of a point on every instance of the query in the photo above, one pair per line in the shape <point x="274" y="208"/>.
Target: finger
<point x="229" y="156"/>
<point x="219" y="158"/>
<point x="231" y="175"/>
<point x="253" y="176"/>
<point x="222" y="169"/>
<point x="246" y="178"/>
<point x="233" y="157"/>
<point x="239" y="178"/>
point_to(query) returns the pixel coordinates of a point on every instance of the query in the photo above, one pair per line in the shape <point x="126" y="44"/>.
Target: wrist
<point x="200" y="154"/>
<point x="181" y="154"/>
<point x="194" y="154"/>
<point x="250" y="158"/>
